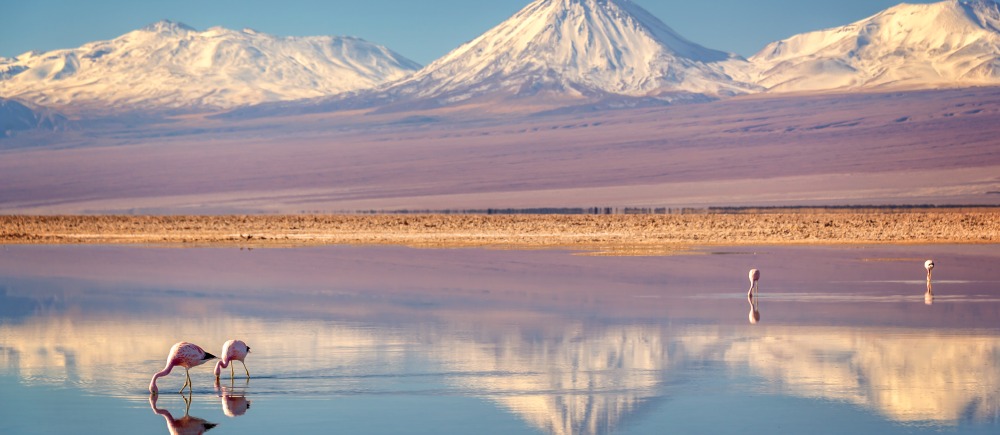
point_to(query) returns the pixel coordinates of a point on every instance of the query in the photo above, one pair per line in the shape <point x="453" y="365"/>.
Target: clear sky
<point x="420" y="30"/>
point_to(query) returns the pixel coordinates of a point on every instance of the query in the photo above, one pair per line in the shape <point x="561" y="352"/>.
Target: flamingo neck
<point x="223" y="363"/>
<point x="166" y="371"/>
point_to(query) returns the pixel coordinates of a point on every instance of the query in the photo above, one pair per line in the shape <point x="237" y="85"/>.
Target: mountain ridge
<point x="552" y="55"/>
<point x="948" y="43"/>
<point x="17" y="117"/>
<point x="169" y="65"/>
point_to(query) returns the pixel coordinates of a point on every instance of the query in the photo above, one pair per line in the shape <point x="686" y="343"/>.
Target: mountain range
<point x="169" y="65"/>
<point x="946" y="44"/>
<point x="557" y="52"/>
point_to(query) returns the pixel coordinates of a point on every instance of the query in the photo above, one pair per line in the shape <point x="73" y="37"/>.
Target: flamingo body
<point x="754" y="276"/>
<point x="929" y="265"/>
<point x="182" y="354"/>
<point x="232" y="350"/>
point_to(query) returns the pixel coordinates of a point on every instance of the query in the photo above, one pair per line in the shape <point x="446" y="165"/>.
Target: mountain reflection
<point x="908" y="376"/>
<point x="569" y="378"/>
<point x="580" y="381"/>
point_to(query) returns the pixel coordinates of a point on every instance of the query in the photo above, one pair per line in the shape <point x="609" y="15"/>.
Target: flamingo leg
<point x="245" y="368"/>
<point x="187" y="383"/>
<point x="232" y="371"/>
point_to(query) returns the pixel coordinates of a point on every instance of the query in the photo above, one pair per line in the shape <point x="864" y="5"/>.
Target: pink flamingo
<point x="232" y="350"/>
<point x="754" y="276"/>
<point x="929" y="265"/>
<point x="182" y="354"/>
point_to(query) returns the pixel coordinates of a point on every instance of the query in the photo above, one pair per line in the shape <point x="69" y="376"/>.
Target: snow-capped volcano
<point x="950" y="43"/>
<point x="168" y="65"/>
<point x="573" y="48"/>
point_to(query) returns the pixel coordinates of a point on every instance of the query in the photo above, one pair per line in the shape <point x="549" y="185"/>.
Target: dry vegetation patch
<point x="621" y="233"/>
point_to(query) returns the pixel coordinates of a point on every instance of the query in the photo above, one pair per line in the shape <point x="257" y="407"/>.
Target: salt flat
<point x="920" y="147"/>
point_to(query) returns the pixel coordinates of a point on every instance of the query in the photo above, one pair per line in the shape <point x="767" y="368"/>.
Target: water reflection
<point x="929" y="295"/>
<point x="577" y="380"/>
<point x="754" y="308"/>
<point x="186" y="425"/>
<point x="573" y="378"/>
<point x="234" y="398"/>
<point x="908" y="376"/>
<point x="565" y="344"/>
<point x="752" y="296"/>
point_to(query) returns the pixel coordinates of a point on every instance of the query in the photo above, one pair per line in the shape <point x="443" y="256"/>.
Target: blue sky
<point x="420" y="30"/>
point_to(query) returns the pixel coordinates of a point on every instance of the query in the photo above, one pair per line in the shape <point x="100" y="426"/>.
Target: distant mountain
<point x="16" y="117"/>
<point x="169" y="65"/>
<point x="562" y="51"/>
<point x="950" y="43"/>
<point x="581" y="47"/>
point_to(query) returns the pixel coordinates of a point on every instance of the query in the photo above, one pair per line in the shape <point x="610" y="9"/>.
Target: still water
<point x="384" y="340"/>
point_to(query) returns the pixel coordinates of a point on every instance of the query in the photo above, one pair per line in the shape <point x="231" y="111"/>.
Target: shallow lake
<point x="384" y="340"/>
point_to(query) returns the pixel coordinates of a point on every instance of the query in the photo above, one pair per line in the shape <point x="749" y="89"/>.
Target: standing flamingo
<point x="232" y="350"/>
<point x="754" y="276"/>
<point x="182" y="354"/>
<point x="929" y="265"/>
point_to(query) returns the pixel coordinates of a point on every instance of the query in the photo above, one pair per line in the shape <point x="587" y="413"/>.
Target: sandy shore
<point x="619" y="234"/>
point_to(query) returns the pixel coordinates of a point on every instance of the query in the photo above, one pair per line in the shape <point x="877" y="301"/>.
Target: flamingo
<point x="232" y="350"/>
<point x="929" y="265"/>
<point x="754" y="276"/>
<point x="182" y="354"/>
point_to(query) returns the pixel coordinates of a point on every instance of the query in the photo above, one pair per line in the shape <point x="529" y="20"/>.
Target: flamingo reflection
<point x="754" y="309"/>
<point x="929" y="296"/>
<point x="752" y="296"/>
<point x="234" y="402"/>
<point x="186" y="425"/>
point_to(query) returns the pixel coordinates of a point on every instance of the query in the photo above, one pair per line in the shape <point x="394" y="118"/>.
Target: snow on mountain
<point x="169" y="65"/>
<point x="569" y="50"/>
<point x="946" y="44"/>
<point x="16" y="117"/>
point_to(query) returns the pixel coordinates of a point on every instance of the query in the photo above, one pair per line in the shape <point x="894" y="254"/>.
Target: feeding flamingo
<point x="929" y="265"/>
<point x="232" y="350"/>
<point x="754" y="276"/>
<point x="182" y="354"/>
